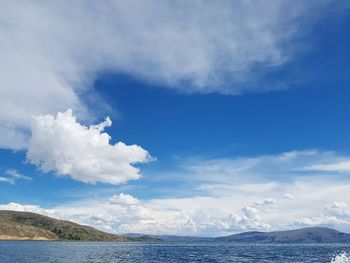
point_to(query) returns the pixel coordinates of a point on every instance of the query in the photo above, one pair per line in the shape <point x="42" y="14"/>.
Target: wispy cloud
<point x="11" y="176"/>
<point x="257" y="174"/>
<point x="343" y="166"/>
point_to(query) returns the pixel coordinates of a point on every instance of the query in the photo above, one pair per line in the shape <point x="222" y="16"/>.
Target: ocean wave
<point x="341" y="258"/>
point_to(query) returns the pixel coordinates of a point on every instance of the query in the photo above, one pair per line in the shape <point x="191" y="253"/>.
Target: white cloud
<point x="11" y="176"/>
<point x="62" y="145"/>
<point x="265" y="202"/>
<point x="27" y="208"/>
<point x="289" y="196"/>
<point x="51" y="52"/>
<point x="12" y="137"/>
<point x="338" y="209"/>
<point x="322" y="220"/>
<point x="246" y="174"/>
<point x="343" y="166"/>
<point x="337" y="205"/>
<point x="124" y="199"/>
<point x="252" y="219"/>
<point x="335" y="214"/>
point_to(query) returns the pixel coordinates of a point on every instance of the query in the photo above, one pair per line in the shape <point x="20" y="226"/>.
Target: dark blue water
<point x="35" y="252"/>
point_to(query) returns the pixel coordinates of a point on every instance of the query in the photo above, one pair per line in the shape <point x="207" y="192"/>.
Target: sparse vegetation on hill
<point x="30" y="226"/>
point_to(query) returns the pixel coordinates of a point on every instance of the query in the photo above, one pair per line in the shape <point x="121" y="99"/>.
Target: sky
<point x="177" y="117"/>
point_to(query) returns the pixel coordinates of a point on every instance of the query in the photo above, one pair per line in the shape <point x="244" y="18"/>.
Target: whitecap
<point x="341" y="258"/>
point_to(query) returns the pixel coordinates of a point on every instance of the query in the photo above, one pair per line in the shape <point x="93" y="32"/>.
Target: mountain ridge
<point x="301" y="235"/>
<point x="16" y="225"/>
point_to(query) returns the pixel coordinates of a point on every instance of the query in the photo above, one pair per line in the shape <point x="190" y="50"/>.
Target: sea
<point x="92" y="252"/>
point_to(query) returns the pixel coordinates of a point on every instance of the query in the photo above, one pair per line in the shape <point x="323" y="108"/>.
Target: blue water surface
<point x="35" y="252"/>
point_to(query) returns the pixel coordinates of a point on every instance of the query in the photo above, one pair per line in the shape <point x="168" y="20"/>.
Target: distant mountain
<point x="173" y="238"/>
<point x="304" y="235"/>
<point x="30" y="226"/>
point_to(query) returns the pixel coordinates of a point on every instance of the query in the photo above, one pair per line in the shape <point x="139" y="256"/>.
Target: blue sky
<point x="229" y="137"/>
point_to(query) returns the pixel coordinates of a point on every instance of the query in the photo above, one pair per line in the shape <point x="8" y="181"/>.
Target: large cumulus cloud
<point x="64" y="146"/>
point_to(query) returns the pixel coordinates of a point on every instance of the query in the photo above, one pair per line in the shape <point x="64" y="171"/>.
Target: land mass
<point x="30" y="226"/>
<point x="303" y="235"/>
<point x="297" y="236"/>
<point x="173" y="238"/>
